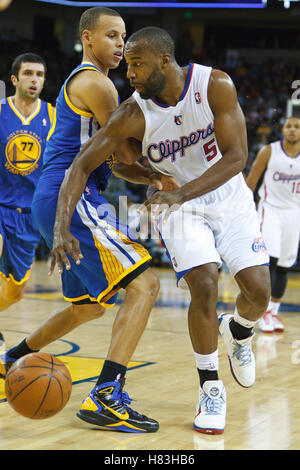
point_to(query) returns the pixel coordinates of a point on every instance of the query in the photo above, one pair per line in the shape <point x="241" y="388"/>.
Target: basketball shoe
<point x="5" y="364"/>
<point x="266" y="324"/>
<point x="240" y="354"/>
<point x="211" y="410"/>
<point x="107" y="407"/>
<point x="278" y="326"/>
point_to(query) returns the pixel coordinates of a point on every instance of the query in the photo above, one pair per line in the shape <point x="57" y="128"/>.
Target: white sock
<point x="242" y="321"/>
<point x="274" y="307"/>
<point x="207" y="361"/>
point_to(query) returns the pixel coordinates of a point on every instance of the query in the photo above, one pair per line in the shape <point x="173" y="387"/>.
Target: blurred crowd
<point x="263" y="90"/>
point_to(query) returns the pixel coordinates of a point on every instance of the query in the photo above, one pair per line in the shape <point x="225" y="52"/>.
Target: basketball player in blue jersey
<point x="192" y="128"/>
<point x="112" y="257"/>
<point x="25" y="121"/>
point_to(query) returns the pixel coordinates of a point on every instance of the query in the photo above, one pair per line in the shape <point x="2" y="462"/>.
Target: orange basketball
<point x="38" y="385"/>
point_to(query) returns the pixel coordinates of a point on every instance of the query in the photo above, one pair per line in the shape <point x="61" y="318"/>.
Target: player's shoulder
<point x="92" y="84"/>
<point x="265" y="152"/>
<point x="221" y="91"/>
<point x="93" y="78"/>
<point x="220" y="79"/>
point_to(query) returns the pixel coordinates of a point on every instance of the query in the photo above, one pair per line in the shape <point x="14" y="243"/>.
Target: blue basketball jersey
<point x="22" y="144"/>
<point x="71" y="129"/>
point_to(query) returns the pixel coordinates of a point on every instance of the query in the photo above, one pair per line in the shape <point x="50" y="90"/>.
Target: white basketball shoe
<point x="278" y="325"/>
<point x="211" y="410"/>
<point x="240" y="354"/>
<point x="266" y="324"/>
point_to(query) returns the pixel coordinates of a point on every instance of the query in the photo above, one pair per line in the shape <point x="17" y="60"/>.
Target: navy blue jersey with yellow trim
<point x="71" y="129"/>
<point x="22" y="144"/>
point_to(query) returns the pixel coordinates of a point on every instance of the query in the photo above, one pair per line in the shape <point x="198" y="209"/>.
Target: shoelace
<point x="126" y="400"/>
<point x="243" y="353"/>
<point x="213" y="406"/>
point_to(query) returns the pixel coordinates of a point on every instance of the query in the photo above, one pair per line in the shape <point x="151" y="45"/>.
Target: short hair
<point x="157" y="38"/>
<point x="27" y="57"/>
<point x="90" y="17"/>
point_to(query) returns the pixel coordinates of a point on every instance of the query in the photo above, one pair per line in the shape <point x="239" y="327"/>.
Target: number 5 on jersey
<point x="210" y="150"/>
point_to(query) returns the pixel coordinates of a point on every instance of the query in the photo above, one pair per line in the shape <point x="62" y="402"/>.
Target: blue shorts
<point x="20" y="237"/>
<point x="112" y="256"/>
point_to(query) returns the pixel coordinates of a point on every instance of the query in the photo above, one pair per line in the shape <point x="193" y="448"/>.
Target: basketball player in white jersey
<point x="279" y="212"/>
<point x="191" y="127"/>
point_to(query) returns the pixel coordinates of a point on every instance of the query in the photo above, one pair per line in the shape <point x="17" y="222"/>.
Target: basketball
<point x="38" y="386"/>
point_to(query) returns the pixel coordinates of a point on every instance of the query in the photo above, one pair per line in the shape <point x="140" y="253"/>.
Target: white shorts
<point x="210" y="229"/>
<point x="281" y="231"/>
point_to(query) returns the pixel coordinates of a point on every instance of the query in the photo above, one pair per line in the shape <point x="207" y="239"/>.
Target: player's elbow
<point x="239" y="160"/>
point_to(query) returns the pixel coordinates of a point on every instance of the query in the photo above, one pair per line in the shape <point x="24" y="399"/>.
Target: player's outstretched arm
<point x="127" y="121"/>
<point x="258" y="167"/>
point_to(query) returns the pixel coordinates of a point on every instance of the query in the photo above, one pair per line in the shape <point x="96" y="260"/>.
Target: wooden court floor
<point x="161" y="377"/>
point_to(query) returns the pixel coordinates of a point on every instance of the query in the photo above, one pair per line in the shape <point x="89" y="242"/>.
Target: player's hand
<point x="64" y="243"/>
<point x="163" y="201"/>
<point x="163" y="182"/>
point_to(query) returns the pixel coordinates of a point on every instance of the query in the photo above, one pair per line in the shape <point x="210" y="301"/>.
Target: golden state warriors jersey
<point x="22" y="143"/>
<point x="71" y="129"/>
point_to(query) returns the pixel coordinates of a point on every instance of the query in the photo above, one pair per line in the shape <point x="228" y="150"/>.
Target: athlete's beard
<point x="154" y="85"/>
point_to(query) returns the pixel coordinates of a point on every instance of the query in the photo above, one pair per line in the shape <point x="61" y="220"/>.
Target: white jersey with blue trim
<point x="281" y="182"/>
<point x="180" y="140"/>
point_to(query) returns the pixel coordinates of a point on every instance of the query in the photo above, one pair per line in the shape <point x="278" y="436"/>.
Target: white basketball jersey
<point x="281" y="183"/>
<point x="180" y="140"/>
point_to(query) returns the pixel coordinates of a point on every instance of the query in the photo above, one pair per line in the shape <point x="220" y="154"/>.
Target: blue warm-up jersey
<point x="71" y="129"/>
<point x="22" y="144"/>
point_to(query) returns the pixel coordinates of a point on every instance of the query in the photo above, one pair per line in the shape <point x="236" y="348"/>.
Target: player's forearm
<point x="70" y="192"/>
<point x="214" y="177"/>
<point x="252" y="181"/>
<point x="134" y="173"/>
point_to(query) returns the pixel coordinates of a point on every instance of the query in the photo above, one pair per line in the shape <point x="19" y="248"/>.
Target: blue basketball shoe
<point x="107" y="407"/>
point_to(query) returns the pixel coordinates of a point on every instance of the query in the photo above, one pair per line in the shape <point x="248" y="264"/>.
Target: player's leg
<point x="279" y="265"/>
<point x="132" y="317"/>
<point x="58" y="324"/>
<point x="272" y="233"/>
<point x="107" y="404"/>
<point x="18" y="240"/>
<point x="242" y="247"/>
<point x="270" y="321"/>
<point x="203" y="329"/>
<point x="61" y="322"/>
<point x="279" y="279"/>
<point x="10" y="292"/>
<point x="190" y="245"/>
<point x="237" y="329"/>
